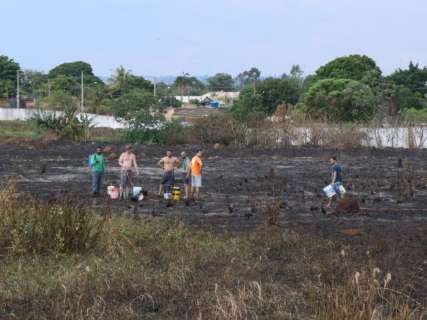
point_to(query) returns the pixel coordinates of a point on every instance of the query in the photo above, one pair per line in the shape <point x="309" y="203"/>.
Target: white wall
<point x="9" y="114"/>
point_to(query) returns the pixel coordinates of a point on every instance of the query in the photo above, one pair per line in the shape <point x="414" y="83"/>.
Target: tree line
<point x="350" y="88"/>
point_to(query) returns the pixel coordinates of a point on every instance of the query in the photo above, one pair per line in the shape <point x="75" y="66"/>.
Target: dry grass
<point x="157" y="268"/>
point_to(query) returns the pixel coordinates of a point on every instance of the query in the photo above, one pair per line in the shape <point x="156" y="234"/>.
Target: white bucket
<point x="136" y="191"/>
<point x="113" y="192"/>
<point x="330" y="191"/>
<point x="167" y="196"/>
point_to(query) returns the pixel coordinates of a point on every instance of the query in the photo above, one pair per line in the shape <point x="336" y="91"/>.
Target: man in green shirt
<point x="184" y="170"/>
<point x="97" y="165"/>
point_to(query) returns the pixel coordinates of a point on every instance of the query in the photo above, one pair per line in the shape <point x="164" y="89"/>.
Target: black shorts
<point x="168" y="178"/>
<point x="186" y="180"/>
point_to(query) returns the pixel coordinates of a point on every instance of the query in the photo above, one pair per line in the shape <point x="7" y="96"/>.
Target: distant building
<point x="12" y="103"/>
<point x="224" y="98"/>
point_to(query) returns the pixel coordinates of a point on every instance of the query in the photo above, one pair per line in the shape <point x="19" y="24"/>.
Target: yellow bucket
<point x="176" y="193"/>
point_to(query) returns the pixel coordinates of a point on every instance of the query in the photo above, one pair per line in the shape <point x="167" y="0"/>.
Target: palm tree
<point x="119" y="80"/>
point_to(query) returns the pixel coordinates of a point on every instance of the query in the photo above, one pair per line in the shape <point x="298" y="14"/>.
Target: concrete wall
<point x="8" y="114"/>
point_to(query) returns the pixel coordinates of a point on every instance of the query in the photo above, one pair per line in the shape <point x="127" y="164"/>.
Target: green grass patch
<point x="19" y="129"/>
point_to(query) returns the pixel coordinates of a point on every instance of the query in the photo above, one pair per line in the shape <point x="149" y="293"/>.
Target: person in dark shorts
<point x="168" y="164"/>
<point x="185" y="170"/>
<point x="128" y="167"/>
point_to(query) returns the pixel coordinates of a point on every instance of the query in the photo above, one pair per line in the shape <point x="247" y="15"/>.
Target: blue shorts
<point x="337" y="190"/>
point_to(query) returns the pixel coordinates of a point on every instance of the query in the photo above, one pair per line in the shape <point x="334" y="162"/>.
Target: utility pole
<point x="18" y="95"/>
<point x="155" y="86"/>
<point x="82" y="94"/>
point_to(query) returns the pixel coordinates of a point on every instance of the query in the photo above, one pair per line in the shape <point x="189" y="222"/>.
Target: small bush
<point x="66" y="125"/>
<point x="169" y="133"/>
<point x="416" y="115"/>
<point x="345" y="137"/>
<point x="221" y="129"/>
<point x="33" y="227"/>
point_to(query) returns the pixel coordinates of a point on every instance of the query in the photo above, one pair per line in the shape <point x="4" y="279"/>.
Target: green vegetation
<point x="8" y="71"/>
<point x="354" y="67"/>
<point x="416" y="116"/>
<point x="340" y="100"/>
<point x="61" y="260"/>
<point x="349" y="89"/>
<point x="18" y="130"/>
<point x="346" y="89"/>
<point x="66" y="125"/>
<point x="221" y="82"/>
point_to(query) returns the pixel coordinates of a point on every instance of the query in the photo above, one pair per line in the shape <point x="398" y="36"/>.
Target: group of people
<point x="189" y="170"/>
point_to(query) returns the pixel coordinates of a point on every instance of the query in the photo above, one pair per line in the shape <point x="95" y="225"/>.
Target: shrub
<point x="66" y="125"/>
<point x="347" y="136"/>
<point x="33" y="227"/>
<point x="219" y="128"/>
<point x="416" y="115"/>
<point x="169" y="133"/>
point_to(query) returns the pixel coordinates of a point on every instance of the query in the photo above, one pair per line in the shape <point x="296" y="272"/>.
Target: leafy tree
<point x="66" y="84"/>
<point x="248" y="106"/>
<point x="34" y="83"/>
<point x="123" y="81"/>
<point x="72" y="70"/>
<point x="119" y="80"/>
<point x="97" y="100"/>
<point x="415" y="79"/>
<point x="248" y="77"/>
<point x="276" y="91"/>
<point x="69" y="75"/>
<point x="60" y="100"/>
<point x="8" y="72"/>
<point x="340" y="100"/>
<point x="221" y="82"/>
<point x="139" y="82"/>
<point x="188" y="86"/>
<point x="270" y="93"/>
<point x="139" y="109"/>
<point x="392" y="98"/>
<point x="295" y="73"/>
<point x="354" y="67"/>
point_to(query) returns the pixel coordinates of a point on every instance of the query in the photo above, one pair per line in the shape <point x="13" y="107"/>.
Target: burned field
<point x="245" y="190"/>
<point x="239" y="185"/>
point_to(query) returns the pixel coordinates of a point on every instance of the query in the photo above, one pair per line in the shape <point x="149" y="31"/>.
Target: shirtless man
<point x="128" y="166"/>
<point x="168" y="164"/>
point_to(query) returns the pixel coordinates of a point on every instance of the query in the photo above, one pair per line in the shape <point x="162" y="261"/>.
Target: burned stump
<point x="347" y="205"/>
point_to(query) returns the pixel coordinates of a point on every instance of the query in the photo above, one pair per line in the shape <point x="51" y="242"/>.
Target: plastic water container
<point x="176" y="193"/>
<point x="113" y="192"/>
<point x="330" y="191"/>
<point x="167" y="196"/>
<point x="136" y="191"/>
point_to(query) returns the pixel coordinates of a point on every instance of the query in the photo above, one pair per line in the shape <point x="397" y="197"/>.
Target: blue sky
<point x="202" y="37"/>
